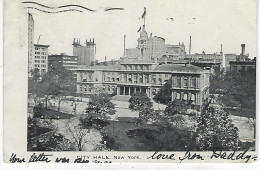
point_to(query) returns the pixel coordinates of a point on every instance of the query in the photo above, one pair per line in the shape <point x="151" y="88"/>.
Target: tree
<point x="78" y="133"/>
<point x="58" y="82"/>
<point x="42" y="136"/>
<point x="238" y="90"/>
<point x="176" y="107"/>
<point x="32" y="85"/>
<point x="178" y="120"/>
<point x="140" y="102"/>
<point x="164" y="94"/>
<point x="215" y="130"/>
<point x="100" y="106"/>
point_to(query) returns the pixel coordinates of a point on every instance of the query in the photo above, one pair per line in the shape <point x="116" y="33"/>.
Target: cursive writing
<point x="14" y="159"/>
<point x="233" y="156"/>
<point x="157" y="155"/>
<point x="189" y="156"/>
<point x="39" y="158"/>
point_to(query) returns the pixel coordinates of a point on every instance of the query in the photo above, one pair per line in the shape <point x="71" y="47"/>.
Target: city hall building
<point x="140" y="71"/>
<point x="187" y="82"/>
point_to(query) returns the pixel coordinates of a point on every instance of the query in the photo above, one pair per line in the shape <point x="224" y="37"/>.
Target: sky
<point x="210" y="23"/>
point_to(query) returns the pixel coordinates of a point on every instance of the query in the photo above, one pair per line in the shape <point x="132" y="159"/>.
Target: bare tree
<point x="78" y="133"/>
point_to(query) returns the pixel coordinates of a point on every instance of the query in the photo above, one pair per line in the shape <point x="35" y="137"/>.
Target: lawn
<point x="243" y="112"/>
<point x="128" y="137"/>
<point x="50" y="114"/>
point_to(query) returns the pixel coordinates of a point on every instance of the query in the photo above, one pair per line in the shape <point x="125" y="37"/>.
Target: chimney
<point x="243" y="46"/>
<point x="221" y="49"/>
<point x="190" y="46"/>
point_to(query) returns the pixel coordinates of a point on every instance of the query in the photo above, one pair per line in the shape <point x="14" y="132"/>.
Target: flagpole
<point x="144" y="15"/>
<point x="144" y="21"/>
<point x="124" y="45"/>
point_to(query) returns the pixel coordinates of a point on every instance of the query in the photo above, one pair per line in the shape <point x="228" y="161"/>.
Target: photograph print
<point x="141" y="75"/>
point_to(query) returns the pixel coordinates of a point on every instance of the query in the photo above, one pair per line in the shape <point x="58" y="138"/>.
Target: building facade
<point x="176" y="52"/>
<point x="69" y="62"/>
<point x="85" y="54"/>
<point x="37" y="53"/>
<point x="221" y="58"/>
<point x="41" y="58"/>
<point x="187" y="82"/>
<point x="152" y="48"/>
<point x="30" y="44"/>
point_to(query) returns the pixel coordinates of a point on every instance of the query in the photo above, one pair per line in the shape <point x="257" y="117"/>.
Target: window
<point x="80" y="88"/>
<point x="178" y="82"/>
<point x="185" y="96"/>
<point x="178" y="96"/>
<point x="185" y="82"/>
<point x="125" y="79"/>
<point x="193" y="82"/>
<point x="154" y="80"/>
<point x="160" y="81"/>
<point x="146" y="79"/>
<point x="193" y="97"/>
<point x="81" y="77"/>
<point x="141" y="80"/>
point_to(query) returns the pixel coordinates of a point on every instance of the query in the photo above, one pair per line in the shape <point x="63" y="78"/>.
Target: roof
<point x="178" y="67"/>
<point x="116" y="66"/>
<point x="41" y="45"/>
<point x="137" y="62"/>
<point x="243" y="62"/>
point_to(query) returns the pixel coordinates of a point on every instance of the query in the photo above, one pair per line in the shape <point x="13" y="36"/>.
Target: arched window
<point x="185" y="96"/>
<point x="178" y="96"/>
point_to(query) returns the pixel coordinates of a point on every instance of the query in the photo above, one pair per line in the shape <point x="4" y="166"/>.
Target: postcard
<point x="127" y="81"/>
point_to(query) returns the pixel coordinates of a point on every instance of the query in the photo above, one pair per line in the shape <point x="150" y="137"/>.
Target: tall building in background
<point x="41" y="58"/>
<point x="62" y="60"/>
<point x="85" y="54"/>
<point x="37" y="53"/>
<point x="30" y="44"/>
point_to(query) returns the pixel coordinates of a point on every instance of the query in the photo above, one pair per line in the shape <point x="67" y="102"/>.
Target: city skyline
<point x="211" y="30"/>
